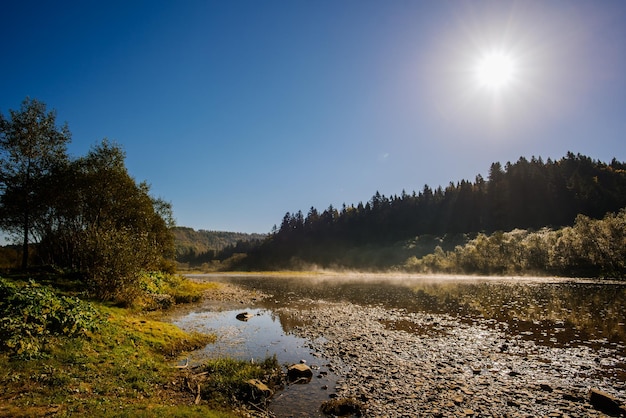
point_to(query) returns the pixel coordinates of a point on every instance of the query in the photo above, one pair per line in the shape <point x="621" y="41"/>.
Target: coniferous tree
<point x="527" y="194"/>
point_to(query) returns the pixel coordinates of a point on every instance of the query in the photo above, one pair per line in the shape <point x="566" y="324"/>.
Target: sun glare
<point x="495" y="70"/>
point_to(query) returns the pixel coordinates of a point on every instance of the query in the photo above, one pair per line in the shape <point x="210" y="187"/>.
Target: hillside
<point x="191" y="244"/>
<point x="528" y="195"/>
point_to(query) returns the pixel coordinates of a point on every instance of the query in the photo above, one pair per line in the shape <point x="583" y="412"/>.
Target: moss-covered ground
<point x="94" y="359"/>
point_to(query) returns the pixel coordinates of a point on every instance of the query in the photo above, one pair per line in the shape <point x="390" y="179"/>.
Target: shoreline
<point x="398" y="363"/>
<point x="356" y="275"/>
<point x="413" y="364"/>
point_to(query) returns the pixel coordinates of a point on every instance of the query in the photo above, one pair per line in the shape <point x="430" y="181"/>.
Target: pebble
<point x="458" y="368"/>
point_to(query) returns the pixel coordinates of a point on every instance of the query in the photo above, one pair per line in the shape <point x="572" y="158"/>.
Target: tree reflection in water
<point x="548" y="311"/>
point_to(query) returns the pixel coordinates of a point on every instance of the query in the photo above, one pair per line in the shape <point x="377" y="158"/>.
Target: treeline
<point x="82" y="215"/>
<point x="526" y="195"/>
<point x="198" y="247"/>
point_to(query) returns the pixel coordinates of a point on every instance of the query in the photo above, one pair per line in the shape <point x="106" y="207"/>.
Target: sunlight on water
<point x="569" y="311"/>
<point x="548" y="312"/>
<point x="258" y="337"/>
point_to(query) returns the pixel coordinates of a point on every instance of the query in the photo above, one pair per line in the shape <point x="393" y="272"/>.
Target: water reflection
<point x="258" y="334"/>
<point x="261" y="335"/>
<point x="551" y="312"/>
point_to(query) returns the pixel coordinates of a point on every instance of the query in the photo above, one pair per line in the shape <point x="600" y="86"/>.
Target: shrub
<point x="162" y="290"/>
<point x="31" y="314"/>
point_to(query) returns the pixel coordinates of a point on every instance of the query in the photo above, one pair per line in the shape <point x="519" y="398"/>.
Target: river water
<point x="554" y="313"/>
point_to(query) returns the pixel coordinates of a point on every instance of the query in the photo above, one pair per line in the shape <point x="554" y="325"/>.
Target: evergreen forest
<point x="555" y="205"/>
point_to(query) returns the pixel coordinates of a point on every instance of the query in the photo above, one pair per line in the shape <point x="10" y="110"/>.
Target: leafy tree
<point x="108" y="227"/>
<point x="87" y="215"/>
<point x="31" y="146"/>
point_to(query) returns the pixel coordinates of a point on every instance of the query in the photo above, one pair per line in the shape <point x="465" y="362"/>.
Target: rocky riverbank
<point x="397" y="363"/>
<point x="401" y="364"/>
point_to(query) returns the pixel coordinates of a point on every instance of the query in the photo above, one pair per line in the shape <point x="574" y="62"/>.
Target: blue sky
<point x="239" y="111"/>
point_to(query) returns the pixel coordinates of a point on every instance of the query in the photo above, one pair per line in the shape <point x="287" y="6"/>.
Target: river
<point x="473" y="338"/>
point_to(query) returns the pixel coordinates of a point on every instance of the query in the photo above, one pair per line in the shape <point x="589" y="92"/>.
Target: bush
<point x="31" y="314"/>
<point x="163" y="290"/>
<point x="591" y="248"/>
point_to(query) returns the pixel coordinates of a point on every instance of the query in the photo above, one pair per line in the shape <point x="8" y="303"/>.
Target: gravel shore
<point x="396" y="363"/>
<point x="400" y="364"/>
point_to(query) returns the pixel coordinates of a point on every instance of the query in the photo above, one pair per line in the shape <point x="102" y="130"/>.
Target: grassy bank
<point x="65" y="356"/>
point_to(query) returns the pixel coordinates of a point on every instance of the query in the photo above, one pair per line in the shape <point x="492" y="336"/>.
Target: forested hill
<point x="191" y="244"/>
<point x="527" y="194"/>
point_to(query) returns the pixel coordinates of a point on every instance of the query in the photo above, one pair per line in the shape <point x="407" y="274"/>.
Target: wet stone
<point x="395" y="373"/>
<point x="244" y="316"/>
<point x="605" y="402"/>
<point x="400" y="363"/>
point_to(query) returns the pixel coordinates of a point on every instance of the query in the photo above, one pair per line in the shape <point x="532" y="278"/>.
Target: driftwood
<point x="262" y="409"/>
<point x="198" y="398"/>
<point x="189" y="385"/>
<point x="301" y="380"/>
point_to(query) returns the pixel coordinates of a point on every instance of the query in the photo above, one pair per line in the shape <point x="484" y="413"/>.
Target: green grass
<point x="121" y="366"/>
<point x="225" y="379"/>
<point x="162" y="290"/>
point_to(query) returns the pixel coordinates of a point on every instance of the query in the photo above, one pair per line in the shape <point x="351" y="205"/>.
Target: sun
<point x="495" y="70"/>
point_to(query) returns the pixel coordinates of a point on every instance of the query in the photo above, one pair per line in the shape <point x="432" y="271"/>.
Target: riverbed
<point x="428" y="346"/>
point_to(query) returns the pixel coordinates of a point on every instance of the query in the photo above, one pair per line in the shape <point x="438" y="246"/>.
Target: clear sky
<point x="239" y="111"/>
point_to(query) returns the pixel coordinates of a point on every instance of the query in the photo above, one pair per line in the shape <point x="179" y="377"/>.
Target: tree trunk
<point x="25" y="243"/>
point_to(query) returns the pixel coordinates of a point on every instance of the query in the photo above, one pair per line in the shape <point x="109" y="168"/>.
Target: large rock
<point x="606" y="403"/>
<point x="299" y="372"/>
<point x="258" y="389"/>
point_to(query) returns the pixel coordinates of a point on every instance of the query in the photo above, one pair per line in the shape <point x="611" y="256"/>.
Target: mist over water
<point x="547" y="310"/>
<point x="550" y="312"/>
